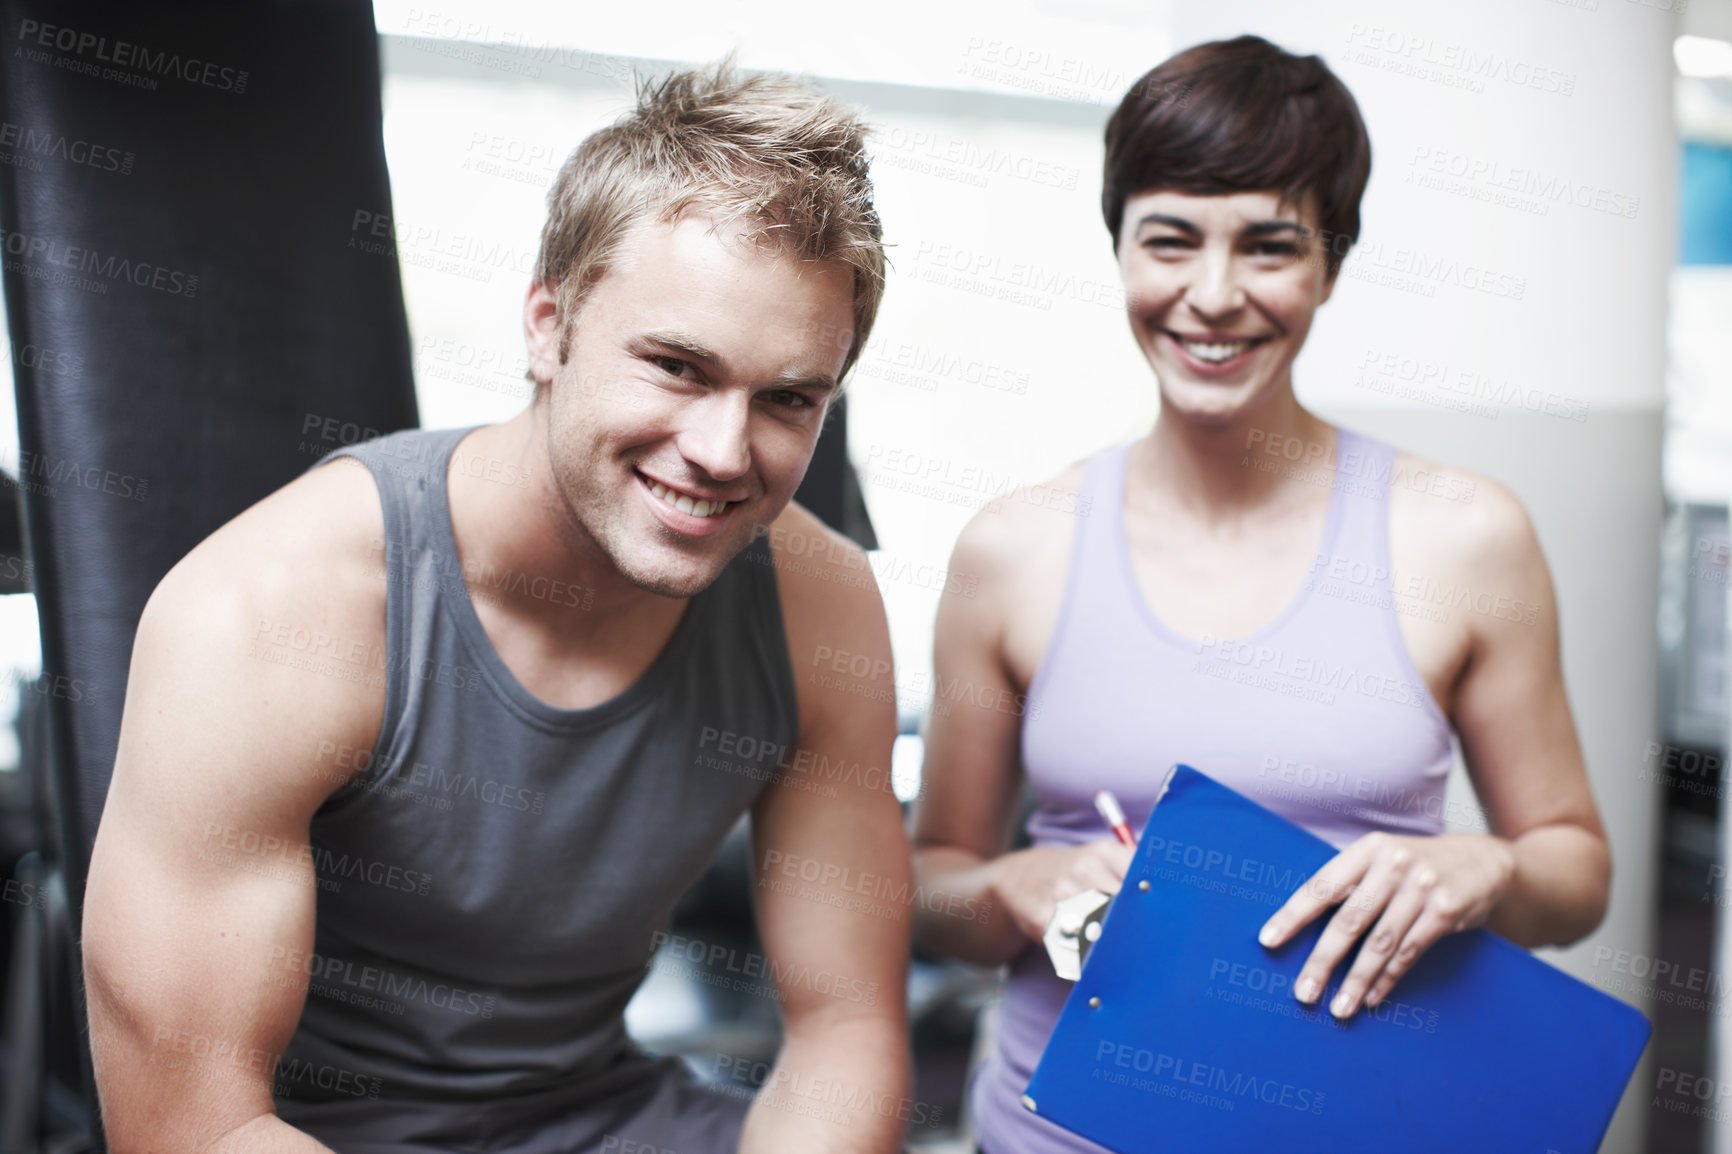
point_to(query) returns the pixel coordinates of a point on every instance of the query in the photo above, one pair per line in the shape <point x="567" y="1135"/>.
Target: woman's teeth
<point x="685" y="504"/>
<point x="1215" y="351"/>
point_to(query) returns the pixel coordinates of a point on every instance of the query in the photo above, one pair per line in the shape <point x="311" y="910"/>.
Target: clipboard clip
<point x="1075" y="926"/>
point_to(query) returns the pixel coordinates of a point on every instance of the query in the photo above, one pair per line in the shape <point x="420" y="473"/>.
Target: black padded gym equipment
<point x="190" y="330"/>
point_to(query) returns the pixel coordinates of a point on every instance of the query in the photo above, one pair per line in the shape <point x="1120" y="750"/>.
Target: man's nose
<point x="716" y="434"/>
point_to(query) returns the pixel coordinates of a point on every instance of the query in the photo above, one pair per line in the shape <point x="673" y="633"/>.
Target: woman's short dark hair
<point x="1242" y="115"/>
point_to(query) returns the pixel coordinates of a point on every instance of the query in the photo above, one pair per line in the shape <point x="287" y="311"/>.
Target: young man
<point x="420" y="751"/>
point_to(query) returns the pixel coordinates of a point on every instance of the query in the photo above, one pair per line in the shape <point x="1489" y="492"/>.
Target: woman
<point x="1254" y="592"/>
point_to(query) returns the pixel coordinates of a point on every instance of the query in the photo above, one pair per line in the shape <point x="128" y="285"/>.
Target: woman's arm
<point x="971" y="781"/>
<point x="1519" y="740"/>
<point x="1543" y="878"/>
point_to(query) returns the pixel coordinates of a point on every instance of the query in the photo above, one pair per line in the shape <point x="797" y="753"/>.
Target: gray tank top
<point x="491" y="884"/>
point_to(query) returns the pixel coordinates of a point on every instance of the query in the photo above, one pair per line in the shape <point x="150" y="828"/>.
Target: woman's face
<point x="1220" y="292"/>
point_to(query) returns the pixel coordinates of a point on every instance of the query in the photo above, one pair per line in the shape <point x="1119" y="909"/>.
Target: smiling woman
<point x="1229" y="604"/>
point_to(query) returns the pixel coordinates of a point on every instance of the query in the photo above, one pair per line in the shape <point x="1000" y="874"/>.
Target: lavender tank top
<point x="1320" y="715"/>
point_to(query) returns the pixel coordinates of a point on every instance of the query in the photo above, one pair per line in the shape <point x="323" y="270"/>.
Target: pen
<point x="1108" y="805"/>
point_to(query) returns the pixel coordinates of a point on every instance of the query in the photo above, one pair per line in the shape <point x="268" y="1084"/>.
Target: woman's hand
<point x="1410" y="891"/>
<point x="1031" y="882"/>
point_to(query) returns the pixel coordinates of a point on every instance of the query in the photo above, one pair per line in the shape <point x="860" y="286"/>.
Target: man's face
<point x="1220" y="291"/>
<point x="698" y="374"/>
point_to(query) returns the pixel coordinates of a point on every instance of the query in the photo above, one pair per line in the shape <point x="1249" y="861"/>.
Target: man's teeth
<point x="685" y="504"/>
<point x="1216" y="351"/>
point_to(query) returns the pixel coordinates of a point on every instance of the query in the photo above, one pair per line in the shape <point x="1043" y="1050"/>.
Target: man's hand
<point x="1409" y="891"/>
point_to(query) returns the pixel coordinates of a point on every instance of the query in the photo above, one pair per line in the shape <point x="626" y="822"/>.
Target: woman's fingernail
<point x="1341" y="1006"/>
<point x="1307" y="989"/>
<point x="1268" y="934"/>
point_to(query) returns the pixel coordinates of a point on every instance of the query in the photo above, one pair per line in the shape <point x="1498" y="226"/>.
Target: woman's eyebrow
<point x="1177" y="222"/>
<point x="1267" y="227"/>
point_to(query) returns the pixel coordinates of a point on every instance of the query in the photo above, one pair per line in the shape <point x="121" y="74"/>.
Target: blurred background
<point x="1542" y="293"/>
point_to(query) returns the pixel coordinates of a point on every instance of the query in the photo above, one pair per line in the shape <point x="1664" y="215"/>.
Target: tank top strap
<point x="409" y="473"/>
<point x="1101" y="554"/>
<point x="1095" y="595"/>
<point x="1364" y="467"/>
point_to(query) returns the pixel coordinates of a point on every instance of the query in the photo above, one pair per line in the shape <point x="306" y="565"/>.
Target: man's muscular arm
<point x="832" y="867"/>
<point x="201" y="880"/>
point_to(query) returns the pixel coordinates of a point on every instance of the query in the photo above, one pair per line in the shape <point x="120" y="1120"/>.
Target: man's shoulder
<point x="819" y="572"/>
<point x="831" y="614"/>
<point x="268" y="642"/>
<point x="303" y="561"/>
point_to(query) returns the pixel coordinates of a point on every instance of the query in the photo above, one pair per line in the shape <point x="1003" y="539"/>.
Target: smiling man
<point x="420" y="751"/>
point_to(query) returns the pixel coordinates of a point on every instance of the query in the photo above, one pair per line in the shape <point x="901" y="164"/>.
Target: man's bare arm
<point x="833" y="875"/>
<point x="201" y="881"/>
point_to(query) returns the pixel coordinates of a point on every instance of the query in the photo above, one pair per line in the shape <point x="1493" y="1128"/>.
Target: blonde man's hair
<point x="768" y="150"/>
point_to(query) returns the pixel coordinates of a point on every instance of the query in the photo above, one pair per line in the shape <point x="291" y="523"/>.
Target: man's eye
<point x="1166" y="242"/>
<point x="672" y="366"/>
<point x="791" y="399"/>
<point x="1275" y="248"/>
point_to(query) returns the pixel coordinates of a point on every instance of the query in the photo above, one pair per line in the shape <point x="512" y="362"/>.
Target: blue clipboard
<point x="1183" y="1033"/>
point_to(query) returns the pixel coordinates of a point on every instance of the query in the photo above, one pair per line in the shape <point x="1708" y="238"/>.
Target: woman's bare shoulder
<point x="1025" y="521"/>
